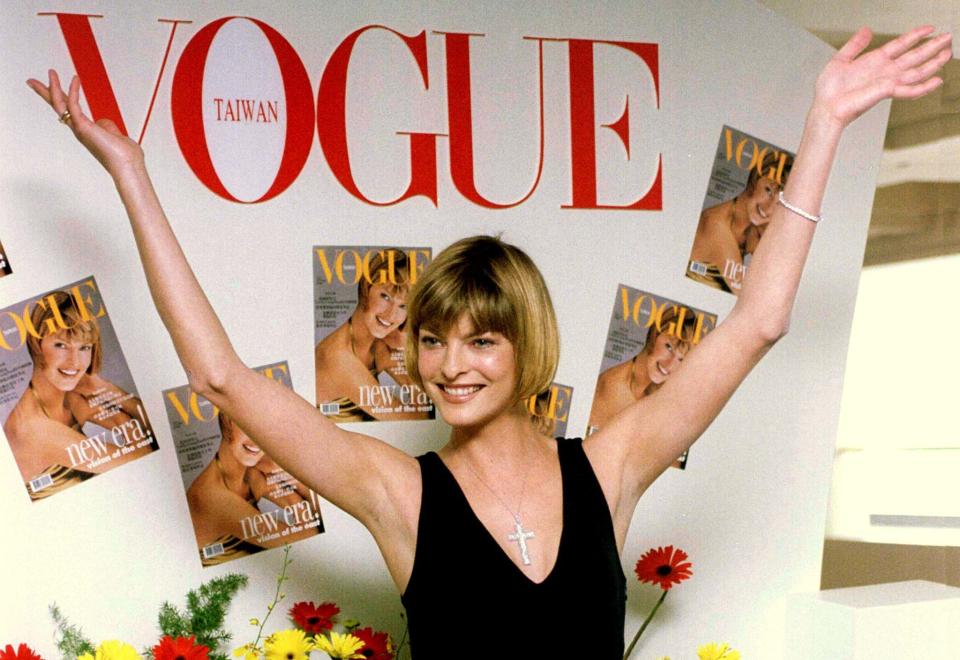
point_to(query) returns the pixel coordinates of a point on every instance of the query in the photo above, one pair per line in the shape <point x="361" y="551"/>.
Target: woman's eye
<point x="385" y="296"/>
<point x="429" y="341"/>
<point x="86" y="347"/>
<point x="482" y="342"/>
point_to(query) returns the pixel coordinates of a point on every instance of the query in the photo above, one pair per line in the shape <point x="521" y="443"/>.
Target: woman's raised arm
<point x="645" y="438"/>
<point x="343" y="467"/>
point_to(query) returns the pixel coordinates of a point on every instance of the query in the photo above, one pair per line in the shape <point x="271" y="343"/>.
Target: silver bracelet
<point x="799" y="211"/>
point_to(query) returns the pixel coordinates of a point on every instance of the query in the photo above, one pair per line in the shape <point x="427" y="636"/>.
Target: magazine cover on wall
<point x="648" y="338"/>
<point x="360" y="311"/>
<point x="69" y="407"/>
<point x="748" y="175"/>
<point x="240" y="501"/>
<point x="5" y="268"/>
<point x="551" y="408"/>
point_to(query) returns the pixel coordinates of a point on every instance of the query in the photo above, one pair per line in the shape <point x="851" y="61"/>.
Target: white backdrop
<point x="750" y="507"/>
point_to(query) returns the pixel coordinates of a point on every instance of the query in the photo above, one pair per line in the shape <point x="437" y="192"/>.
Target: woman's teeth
<point x="460" y="391"/>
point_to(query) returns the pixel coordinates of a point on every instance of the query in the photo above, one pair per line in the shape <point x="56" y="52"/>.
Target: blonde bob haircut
<point x="501" y="290"/>
<point x="60" y="309"/>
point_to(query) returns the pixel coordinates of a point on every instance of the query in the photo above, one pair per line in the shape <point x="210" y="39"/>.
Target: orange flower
<point x="313" y="618"/>
<point x="23" y="652"/>
<point x="181" y="648"/>
<point x="663" y="566"/>
<point x="376" y="645"/>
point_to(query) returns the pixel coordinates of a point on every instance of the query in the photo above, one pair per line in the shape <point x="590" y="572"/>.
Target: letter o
<point x="186" y="108"/>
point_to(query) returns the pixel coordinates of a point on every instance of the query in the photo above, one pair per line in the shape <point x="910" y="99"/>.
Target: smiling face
<point x="240" y="446"/>
<point x="664" y="357"/>
<point x="761" y="201"/>
<point x="384" y="309"/>
<point x="471" y="375"/>
<point x="64" y="360"/>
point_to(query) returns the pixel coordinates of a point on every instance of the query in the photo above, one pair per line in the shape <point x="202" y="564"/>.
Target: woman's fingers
<point x="926" y="52"/>
<point x="925" y="70"/>
<point x="77" y="118"/>
<point x="855" y="45"/>
<point x="57" y="99"/>
<point x="897" y="47"/>
<point x="40" y="89"/>
<point x="918" y="90"/>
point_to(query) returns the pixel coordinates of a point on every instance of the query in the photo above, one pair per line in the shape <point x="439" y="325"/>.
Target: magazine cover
<point x="648" y="338"/>
<point x="240" y="501"/>
<point x="551" y="408"/>
<point x="69" y="407"/>
<point x="748" y="175"/>
<point x="360" y="312"/>
<point x="5" y="268"/>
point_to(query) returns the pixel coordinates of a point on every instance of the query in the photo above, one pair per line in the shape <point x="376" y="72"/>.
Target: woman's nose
<point x="452" y="365"/>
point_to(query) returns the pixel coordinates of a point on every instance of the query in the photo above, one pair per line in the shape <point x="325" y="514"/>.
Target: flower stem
<point x="406" y="628"/>
<point x="645" y="624"/>
<point x="278" y="596"/>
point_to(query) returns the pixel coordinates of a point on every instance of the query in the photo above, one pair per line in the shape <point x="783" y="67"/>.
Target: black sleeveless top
<point x="467" y="599"/>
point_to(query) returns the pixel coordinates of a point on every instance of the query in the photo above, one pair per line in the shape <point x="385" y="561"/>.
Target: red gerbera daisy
<point x="23" y="652"/>
<point x="376" y="645"/>
<point x="313" y="618"/>
<point x="181" y="648"/>
<point x="663" y="566"/>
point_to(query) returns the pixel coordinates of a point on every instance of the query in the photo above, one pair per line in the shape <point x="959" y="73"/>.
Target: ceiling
<point x="916" y="211"/>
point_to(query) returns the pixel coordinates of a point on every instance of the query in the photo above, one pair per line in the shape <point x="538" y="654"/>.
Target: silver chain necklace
<point x="520" y="534"/>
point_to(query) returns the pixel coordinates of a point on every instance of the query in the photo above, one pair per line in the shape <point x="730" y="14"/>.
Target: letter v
<point x="88" y="62"/>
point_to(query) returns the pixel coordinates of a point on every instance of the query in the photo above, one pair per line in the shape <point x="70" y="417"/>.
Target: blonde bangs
<point x="500" y="290"/>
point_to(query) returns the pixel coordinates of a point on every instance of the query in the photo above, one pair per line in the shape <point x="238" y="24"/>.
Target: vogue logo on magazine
<point x="244" y="110"/>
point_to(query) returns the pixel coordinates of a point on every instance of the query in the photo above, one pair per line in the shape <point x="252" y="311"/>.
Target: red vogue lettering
<point x="332" y="122"/>
<point x="583" y="147"/>
<point x="460" y="118"/>
<point x="187" y="110"/>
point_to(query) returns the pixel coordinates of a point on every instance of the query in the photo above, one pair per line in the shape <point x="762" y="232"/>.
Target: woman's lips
<point x="458" y="393"/>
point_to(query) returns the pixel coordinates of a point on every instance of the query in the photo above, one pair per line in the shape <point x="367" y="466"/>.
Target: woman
<point x="730" y="230"/>
<point x="545" y="520"/>
<point x="350" y="358"/>
<point x="223" y="501"/>
<point x="65" y="392"/>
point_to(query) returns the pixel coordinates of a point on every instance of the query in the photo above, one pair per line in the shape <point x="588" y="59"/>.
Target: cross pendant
<point x="520" y="537"/>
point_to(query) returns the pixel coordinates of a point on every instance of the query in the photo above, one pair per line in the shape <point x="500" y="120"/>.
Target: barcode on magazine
<point x="698" y="268"/>
<point x="214" y="550"/>
<point x="40" y="483"/>
<point x="330" y="408"/>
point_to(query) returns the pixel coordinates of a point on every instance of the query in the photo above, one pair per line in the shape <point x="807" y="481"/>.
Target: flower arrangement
<point x="313" y="631"/>
<point x="198" y="631"/>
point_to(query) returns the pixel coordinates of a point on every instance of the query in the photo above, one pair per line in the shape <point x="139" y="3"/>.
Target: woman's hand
<point x="103" y="139"/>
<point x="853" y="82"/>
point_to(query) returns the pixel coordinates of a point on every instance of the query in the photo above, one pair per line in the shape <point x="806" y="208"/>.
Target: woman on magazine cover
<point x="502" y="521"/>
<point x="644" y="373"/>
<point x="61" y="397"/>
<point x="350" y="358"/>
<point x="227" y="491"/>
<point x="732" y="229"/>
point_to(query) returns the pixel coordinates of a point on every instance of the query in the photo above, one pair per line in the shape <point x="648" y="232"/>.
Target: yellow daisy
<point x="340" y="646"/>
<point x="289" y="644"/>
<point x="714" y="651"/>
<point x="116" y="650"/>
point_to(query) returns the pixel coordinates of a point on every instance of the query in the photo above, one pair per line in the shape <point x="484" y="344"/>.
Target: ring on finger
<point x="65" y="117"/>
